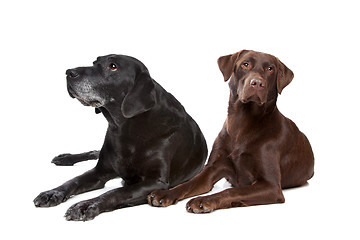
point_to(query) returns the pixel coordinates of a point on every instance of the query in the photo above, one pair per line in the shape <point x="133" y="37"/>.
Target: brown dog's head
<point x="255" y="77"/>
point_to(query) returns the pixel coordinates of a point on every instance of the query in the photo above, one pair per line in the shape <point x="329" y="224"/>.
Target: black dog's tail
<point x="68" y="159"/>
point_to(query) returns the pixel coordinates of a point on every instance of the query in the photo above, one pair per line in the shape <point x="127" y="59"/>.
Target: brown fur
<point x="258" y="150"/>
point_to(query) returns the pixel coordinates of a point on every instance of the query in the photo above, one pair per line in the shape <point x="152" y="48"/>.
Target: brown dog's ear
<point x="227" y="64"/>
<point x="141" y="97"/>
<point x="284" y="76"/>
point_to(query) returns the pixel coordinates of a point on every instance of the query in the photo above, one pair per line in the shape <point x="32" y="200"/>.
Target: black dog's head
<point x="255" y="76"/>
<point x="113" y="79"/>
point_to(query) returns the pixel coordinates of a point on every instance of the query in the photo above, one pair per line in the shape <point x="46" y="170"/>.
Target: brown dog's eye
<point x="113" y="67"/>
<point x="270" y="69"/>
<point x="245" y="65"/>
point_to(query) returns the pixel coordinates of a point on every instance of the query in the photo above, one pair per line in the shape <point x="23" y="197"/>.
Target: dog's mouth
<point x="257" y="97"/>
<point x="254" y="98"/>
<point x="250" y="94"/>
<point x="86" y="102"/>
<point x="71" y="92"/>
<point x="94" y="103"/>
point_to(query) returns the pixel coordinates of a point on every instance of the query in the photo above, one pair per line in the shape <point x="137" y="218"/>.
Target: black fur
<point x="151" y="142"/>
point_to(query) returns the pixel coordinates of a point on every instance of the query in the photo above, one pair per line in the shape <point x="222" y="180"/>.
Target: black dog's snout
<point x="72" y="73"/>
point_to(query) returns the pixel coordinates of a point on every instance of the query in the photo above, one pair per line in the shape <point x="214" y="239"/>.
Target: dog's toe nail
<point x="155" y="203"/>
<point x="67" y="217"/>
<point x="196" y="211"/>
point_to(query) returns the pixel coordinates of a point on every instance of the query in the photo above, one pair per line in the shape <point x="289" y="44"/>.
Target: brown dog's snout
<point x="257" y="83"/>
<point x="254" y="89"/>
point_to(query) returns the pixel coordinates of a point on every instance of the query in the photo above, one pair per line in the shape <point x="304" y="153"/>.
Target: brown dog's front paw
<point x="199" y="205"/>
<point x="161" y="198"/>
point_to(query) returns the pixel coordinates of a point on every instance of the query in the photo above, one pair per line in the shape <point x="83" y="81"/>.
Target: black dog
<point x="151" y="142"/>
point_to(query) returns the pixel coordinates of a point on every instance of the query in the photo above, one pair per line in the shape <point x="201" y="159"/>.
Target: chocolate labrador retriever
<point x="151" y="142"/>
<point x="259" y="151"/>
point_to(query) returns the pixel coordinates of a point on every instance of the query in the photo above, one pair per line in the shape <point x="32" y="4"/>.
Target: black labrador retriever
<point x="151" y="142"/>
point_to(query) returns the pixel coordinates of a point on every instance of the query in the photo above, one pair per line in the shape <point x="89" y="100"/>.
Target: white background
<point x="179" y="42"/>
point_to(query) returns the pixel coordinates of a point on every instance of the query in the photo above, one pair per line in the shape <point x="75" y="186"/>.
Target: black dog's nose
<point x="257" y="83"/>
<point x="72" y="73"/>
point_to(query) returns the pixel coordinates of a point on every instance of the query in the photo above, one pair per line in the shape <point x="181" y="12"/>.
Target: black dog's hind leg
<point x="68" y="159"/>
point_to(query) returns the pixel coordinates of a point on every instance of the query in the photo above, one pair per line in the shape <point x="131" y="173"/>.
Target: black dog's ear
<point x="227" y="64"/>
<point x="141" y="97"/>
<point x="97" y="110"/>
<point x="284" y="76"/>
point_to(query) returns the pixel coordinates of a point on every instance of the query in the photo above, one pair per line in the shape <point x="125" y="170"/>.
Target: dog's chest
<point x="243" y="144"/>
<point x="119" y="153"/>
<point x="241" y="132"/>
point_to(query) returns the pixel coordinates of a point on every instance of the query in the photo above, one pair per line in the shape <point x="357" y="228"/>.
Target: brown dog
<point x="259" y="151"/>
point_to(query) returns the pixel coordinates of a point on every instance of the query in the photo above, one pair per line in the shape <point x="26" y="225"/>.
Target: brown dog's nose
<point x="257" y="83"/>
<point x="72" y="73"/>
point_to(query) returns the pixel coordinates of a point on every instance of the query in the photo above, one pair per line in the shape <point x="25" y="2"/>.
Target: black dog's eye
<point x="113" y="66"/>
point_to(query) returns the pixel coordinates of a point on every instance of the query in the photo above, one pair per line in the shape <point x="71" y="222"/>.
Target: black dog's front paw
<point x="65" y="159"/>
<point x="50" y="198"/>
<point x="83" y="211"/>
